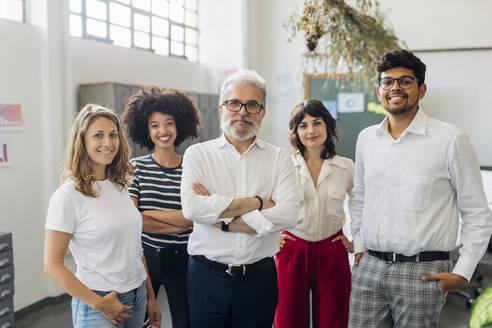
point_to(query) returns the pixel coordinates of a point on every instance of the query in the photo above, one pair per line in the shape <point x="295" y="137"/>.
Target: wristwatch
<point x="224" y="227"/>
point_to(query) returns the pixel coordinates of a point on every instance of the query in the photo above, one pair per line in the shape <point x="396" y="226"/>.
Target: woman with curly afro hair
<point x="160" y="120"/>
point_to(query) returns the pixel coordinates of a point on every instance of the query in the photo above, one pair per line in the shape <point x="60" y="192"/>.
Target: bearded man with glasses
<point x="414" y="177"/>
<point x="240" y="192"/>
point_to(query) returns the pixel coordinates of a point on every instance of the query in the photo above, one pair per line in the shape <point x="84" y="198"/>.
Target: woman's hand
<point x="111" y="307"/>
<point x="283" y="237"/>
<point x="154" y="314"/>
<point x="349" y="245"/>
<point x="199" y="189"/>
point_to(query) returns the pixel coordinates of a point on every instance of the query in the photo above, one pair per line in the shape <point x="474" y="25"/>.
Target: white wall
<point x="22" y="196"/>
<point x="458" y="82"/>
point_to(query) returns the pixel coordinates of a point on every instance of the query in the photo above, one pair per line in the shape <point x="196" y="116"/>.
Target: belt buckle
<point x="231" y="266"/>
<point x="394" y="258"/>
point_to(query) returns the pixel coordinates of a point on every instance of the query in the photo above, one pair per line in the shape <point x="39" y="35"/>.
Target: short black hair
<point x="402" y="58"/>
<point x="314" y="108"/>
<point x="150" y="99"/>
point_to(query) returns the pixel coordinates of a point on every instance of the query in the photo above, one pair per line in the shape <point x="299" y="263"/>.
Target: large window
<point x="12" y="9"/>
<point x="166" y="27"/>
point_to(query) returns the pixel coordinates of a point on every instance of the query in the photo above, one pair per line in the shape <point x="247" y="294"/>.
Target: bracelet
<point x="261" y="203"/>
<point x="224" y="227"/>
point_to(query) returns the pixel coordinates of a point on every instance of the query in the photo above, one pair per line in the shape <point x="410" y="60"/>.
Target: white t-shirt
<point x="105" y="232"/>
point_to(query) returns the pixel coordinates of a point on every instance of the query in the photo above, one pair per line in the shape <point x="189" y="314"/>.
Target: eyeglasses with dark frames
<point x="405" y="82"/>
<point x="234" y="105"/>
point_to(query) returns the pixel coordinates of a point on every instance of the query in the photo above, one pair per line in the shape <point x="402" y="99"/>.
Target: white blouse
<point x="322" y="214"/>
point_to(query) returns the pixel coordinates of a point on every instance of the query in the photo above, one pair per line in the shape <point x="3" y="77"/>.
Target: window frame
<point x="134" y="10"/>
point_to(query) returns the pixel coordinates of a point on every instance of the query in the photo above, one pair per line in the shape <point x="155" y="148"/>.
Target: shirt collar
<point x="222" y="141"/>
<point x="417" y="126"/>
<point x="335" y="160"/>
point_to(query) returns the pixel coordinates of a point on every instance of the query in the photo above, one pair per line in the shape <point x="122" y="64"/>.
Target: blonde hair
<point x="78" y="165"/>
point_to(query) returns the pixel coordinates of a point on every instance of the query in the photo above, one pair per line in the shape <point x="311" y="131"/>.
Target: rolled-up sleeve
<point x="475" y="214"/>
<point x="286" y="195"/>
<point x="200" y="209"/>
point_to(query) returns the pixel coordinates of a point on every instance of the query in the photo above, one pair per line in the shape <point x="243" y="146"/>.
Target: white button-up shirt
<point x="408" y="193"/>
<point x="262" y="170"/>
<point x="321" y="213"/>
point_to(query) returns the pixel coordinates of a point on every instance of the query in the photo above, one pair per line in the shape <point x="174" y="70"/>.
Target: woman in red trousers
<point x="313" y="256"/>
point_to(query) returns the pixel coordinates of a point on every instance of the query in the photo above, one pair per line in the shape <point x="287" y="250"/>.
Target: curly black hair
<point x="314" y="108"/>
<point x="402" y="58"/>
<point x="150" y="99"/>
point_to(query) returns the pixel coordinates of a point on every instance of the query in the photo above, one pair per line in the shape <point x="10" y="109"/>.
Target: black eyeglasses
<point x="234" y="105"/>
<point x="405" y="82"/>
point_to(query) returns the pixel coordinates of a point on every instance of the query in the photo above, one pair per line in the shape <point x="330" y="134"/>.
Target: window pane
<point x="177" y="48"/>
<point x="126" y="2"/>
<point x="96" y="28"/>
<point x="76" y="6"/>
<point x="191" y="19"/>
<point x="141" y="22"/>
<point x="160" y="26"/>
<point x="191" y="4"/>
<point x="141" y="39"/>
<point x="96" y="9"/>
<point x="75" y="26"/>
<point x="119" y="14"/>
<point x="160" y="45"/>
<point x="176" y="13"/>
<point x="141" y="4"/>
<point x="121" y="36"/>
<point x="191" y="36"/>
<point x="160" y="7"/>
<point x="11" y="10"/>
<point x="177" y="2"/>
<point x="177" y="33"/>
<point x="191" y="53"/>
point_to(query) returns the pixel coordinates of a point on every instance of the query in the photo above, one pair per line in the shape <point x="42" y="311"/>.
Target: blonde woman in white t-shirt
<point x="313" y="256"/>
<point x="92" y="214"/>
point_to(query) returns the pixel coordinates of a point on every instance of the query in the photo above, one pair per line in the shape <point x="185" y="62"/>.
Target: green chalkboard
<point x="349" y="125"/>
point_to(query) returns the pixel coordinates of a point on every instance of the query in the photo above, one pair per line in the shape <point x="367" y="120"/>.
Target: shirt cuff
<point x="465" y="267"/>
<point x="219" y="203"/>
<point x="258" y="222"/>
<point x="358" y="245"/>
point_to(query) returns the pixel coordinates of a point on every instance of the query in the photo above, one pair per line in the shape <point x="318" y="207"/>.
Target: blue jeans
<point x="83" y="316"/>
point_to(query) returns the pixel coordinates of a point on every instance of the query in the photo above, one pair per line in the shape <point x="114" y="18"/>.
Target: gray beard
<point x="238" y="133"/>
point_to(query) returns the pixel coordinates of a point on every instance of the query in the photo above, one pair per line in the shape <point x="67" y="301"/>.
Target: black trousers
<point x="218" y="300"/>
<point x="168" y="267"/>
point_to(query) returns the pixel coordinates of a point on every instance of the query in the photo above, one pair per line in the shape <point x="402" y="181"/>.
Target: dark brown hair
<point x="402" y="58"/>
<point x="314" y="108"/>
<point x="150" y="99"/>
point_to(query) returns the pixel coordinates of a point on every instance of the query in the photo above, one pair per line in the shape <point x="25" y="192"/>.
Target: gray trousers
<point x="386" y="294"/>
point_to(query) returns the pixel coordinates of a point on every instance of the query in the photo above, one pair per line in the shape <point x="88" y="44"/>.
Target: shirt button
<point x="387" y="189"/>
<point x="385" y="212"/>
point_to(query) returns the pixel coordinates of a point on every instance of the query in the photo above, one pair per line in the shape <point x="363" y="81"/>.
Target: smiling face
<point x="312" y="132"/>
<point x="241" y="125"/>
<point x="101" y="144"/>
<point x="396" y="100"/>
<point x="162" y="130"/>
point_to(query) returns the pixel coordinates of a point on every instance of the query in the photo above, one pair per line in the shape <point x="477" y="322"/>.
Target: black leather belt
<point x="420" y="257"/>
<point x="236" y="269"/>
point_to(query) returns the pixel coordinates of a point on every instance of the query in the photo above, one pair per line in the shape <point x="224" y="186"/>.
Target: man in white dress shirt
<point x="240" y="192"/>
<point x="414" y="176"/>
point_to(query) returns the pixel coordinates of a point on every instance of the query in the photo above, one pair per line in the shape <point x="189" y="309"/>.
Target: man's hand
<point x="199" y="189"/>
<point x="154" y="314"/>
<point x="267" y="203"/>
<point x="448" y="280"/>
<point x="111" y="307"/>
<point x="283" y="237"/>
<point x="349" y="245"/>
<point x="358" y="256"/>
<point x="238" y="225"/>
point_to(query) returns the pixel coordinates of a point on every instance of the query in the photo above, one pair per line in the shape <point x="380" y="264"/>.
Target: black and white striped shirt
<point x="157" y="188"/>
